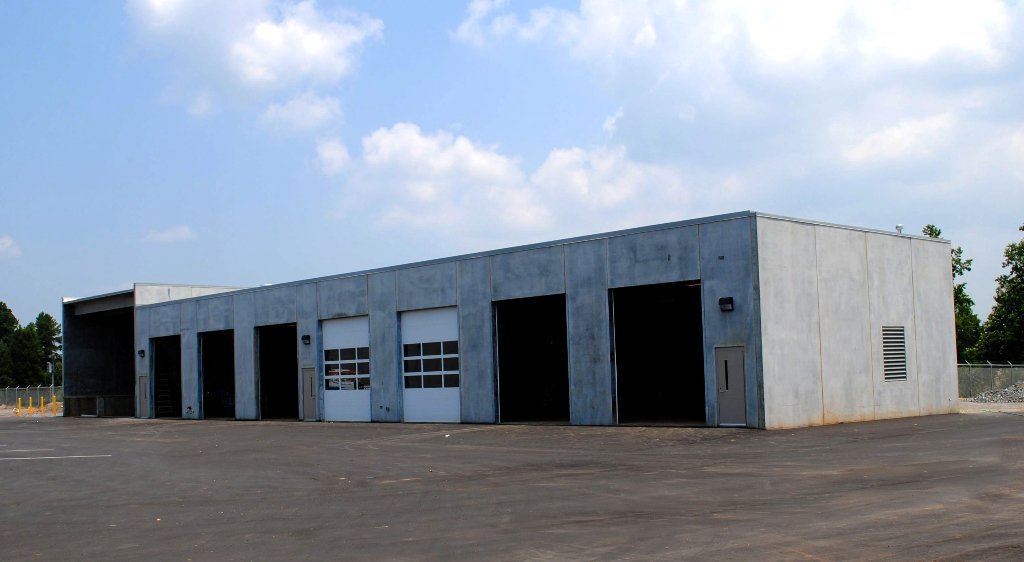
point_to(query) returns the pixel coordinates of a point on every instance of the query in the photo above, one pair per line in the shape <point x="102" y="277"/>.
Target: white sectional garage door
<point x="430" y="365"/>
<point x="346" y="369"/>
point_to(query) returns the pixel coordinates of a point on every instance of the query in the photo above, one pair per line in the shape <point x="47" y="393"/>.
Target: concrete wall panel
<point x="936" y="328"/>
<point x="590" y="374"/>
<point x="275" y="306"/>
<point x="165" y="320"/>
<point x="530" y="273"/>
<point x="891" y="298"/>
<point x="791" y="342"/>
<point x="476" y="346"/>
<point x="309" y="355"/>
<point x="430" y="286"/>
<point x="662" y="256"/>
<point x="343" y="297"/>
<point x="142" y="363"/>
<point x="201" y="291"/>
<point x="246" y="397"/>
<point x="385" y="391"/>
<point x="847" y="384"/>
<point x="214" y="314"/>
<point x="728" y="269"/>
<point x="307" y="324"/>
<point x="179" y="292"/>
<point x="149" y="293"/>
<point x="190" y="391"/>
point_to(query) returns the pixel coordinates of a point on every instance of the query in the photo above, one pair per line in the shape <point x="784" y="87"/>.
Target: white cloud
<point x="726" y="62"/>
<point x="470" y="29"/>
<point x="8" y="248"/>
<point x="157" y="14"/>
<point x="241" y="53"/>
<point x="236" y="46"/>
<point x="913" y="138"/>
<point x="172" y="234"/>
<point x="303" y="112"/>
<point x="201" y="105"/>
<point x="299" y="43"/>
<point x="449" y="186"/>
<point x="611" y="122"/>
<point x="332" y="156"/>
<point x="796" y="32"/>
<point x="444" y="182"/>
<point x="772" y="92"/>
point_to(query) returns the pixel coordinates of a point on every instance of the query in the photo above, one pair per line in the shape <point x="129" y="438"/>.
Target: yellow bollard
<point x="42" y="405"/>
<point x="55" y="406"/>
<point x="18" y="411"/>
<point x="30" y="405"/>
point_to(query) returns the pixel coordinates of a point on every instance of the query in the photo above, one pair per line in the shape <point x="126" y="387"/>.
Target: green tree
<point x="8" y="322"/>
<point x="8" y="326"/>
<point x="968" y="326"/>
<point x="48" y="331"/>
<point x="26" y="357"/>
<point x="6" y="369"/>
<point x="1002" y="338"/>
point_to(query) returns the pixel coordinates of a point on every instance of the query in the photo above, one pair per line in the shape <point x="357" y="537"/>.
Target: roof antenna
<point x="899" y="229"/>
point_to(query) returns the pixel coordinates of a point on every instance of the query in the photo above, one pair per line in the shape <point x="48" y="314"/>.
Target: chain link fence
<point x="976" y="378"/>
<point x="9" y="396"/>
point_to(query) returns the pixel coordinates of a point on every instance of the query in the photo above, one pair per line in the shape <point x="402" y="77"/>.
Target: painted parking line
<point x="24" y="450"/>
<point x="64" y="457"/>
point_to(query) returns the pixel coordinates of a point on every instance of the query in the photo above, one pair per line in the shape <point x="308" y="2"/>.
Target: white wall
<point x="936" y="329"/>
<point x="789" y="324"/>
<point x="891" y="299"/>
<point x="825" y="294"/>
<point x="846" y="336"/>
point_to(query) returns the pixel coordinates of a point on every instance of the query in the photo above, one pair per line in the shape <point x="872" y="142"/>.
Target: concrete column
<point x="476" y="342"/>
<point x="142" y="395"/>
<point x="191" y="390"/>
<point x="590" y="376"/>
<point x="728" y="269"/>
<point x="246" y="388"/>
<point x="307" y="324"/>
<point x="385" y="390"/>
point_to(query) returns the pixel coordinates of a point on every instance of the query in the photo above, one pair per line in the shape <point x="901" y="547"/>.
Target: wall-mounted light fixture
<point x="725" y="304"/>
<point x="142" y="353"/>
<point x="305" y="339"/>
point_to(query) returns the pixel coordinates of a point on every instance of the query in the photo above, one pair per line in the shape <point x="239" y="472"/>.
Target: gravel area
<point x="1013" y="393"/>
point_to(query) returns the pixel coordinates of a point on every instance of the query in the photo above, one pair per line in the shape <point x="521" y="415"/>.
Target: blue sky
<point x="250" y="142"/>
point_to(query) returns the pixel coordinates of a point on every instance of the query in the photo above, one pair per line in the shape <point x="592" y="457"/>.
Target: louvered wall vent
<point x="894" y="353"/>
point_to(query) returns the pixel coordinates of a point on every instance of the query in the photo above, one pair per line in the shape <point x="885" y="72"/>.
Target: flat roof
<point x="74" y="300"/>
<point x="559" y="242"/>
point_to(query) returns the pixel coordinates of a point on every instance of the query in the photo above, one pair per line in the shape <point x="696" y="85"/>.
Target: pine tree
<point x="968" y="326"/>
<point x="8" y="322"/>
<point x="26" y="357"/>
<point x="1002" y="338"/>
<point x="49" y="334"/>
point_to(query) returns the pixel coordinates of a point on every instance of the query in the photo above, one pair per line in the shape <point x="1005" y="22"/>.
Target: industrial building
<point x="746" y="319"/>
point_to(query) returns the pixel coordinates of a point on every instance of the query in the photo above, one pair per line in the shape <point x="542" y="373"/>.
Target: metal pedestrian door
<point x="309" y="394"/>
<point x="732" y="392"/>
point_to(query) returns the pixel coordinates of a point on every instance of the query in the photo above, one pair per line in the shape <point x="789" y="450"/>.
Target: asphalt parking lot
<point x="942" y="487"/>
